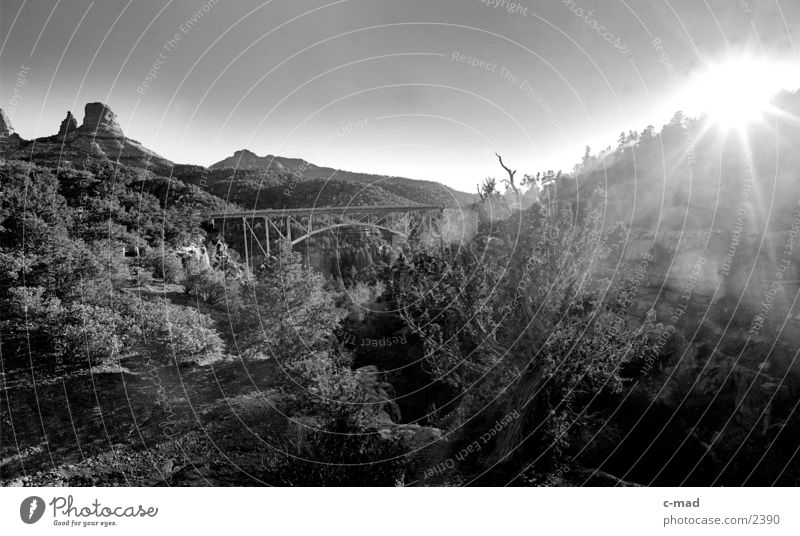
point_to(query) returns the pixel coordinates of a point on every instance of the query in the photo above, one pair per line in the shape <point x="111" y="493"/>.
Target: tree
<point x="488" y="189"/>
<point x="510" y="180"/>
<point x="518" y="320"/>
<point x="287" y="312"/>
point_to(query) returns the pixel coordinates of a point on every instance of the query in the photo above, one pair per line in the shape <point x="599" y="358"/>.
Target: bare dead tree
<point x="510" y="179"/>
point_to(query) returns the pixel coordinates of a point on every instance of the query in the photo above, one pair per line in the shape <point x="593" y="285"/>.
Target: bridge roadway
<point x="315" y="211"/>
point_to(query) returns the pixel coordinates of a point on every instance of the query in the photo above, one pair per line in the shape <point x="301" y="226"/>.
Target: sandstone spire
<point x="68" y="124"/>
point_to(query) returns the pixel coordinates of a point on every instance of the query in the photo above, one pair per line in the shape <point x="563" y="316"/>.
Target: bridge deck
<point x="314" y="211"/>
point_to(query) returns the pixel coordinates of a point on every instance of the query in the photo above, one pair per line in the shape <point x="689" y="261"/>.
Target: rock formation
<point x="99" y="137"/>
<point x="9" y="140"/>
<point x="99" y="120"/>
<point x="68" y="125"/>
<point x="245" y="159"/>
<point x="5" y="125"/>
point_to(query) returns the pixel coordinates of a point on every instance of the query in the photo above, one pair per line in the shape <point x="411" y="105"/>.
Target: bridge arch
<point x="347" y="224"/>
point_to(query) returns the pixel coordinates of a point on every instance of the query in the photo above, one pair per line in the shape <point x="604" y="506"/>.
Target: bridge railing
<point x="315" y="211"/>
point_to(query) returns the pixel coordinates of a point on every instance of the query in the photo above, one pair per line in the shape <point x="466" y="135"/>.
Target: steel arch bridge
<point x="399" y="220"/>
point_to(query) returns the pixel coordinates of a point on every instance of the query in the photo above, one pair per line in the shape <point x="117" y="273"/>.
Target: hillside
<point x="690" y="176"/>
<point x="275" y="170"/>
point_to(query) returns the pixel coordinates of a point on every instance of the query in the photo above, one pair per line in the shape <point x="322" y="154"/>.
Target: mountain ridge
<point x="247" y="163"/>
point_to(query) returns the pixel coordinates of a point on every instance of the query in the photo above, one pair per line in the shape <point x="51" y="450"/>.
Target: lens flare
<point x="738" y="92"/>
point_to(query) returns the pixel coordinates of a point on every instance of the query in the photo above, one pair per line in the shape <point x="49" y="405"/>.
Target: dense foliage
<point x="521" y="319"/>
<point x="62" y="266"/>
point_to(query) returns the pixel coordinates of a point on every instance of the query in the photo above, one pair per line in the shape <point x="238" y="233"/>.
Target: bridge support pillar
<point x="266" y="232"/>
<point x="246" y="252"/>
<point x="308" y="243"/>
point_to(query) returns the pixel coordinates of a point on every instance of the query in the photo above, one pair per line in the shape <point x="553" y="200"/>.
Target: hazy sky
<point x="386" y="86"/>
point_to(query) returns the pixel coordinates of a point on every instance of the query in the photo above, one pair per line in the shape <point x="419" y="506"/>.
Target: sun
<point x="737" y="93"/>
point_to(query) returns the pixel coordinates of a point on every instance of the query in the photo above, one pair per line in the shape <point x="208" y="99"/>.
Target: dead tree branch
<point x="510" y="179"/>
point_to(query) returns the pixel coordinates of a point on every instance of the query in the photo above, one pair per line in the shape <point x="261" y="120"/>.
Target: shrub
<point x="27" y="322"/>
<point x="143" y="277"/>
<point x="189" y="334"/>
<point x="164" y="265"/>
<point x="49" y="258"/>
<point x="113" y="264"/>
<point x="96" y="334"/>
<point x="331" y="390"/>
<point x="77" y="333"/>
<point x="343" y="457"/>
<point x="286" y="311"/>
<point x="334" y="423"/>
<point x="180" y="332"/>
<point x="210" y="286"/>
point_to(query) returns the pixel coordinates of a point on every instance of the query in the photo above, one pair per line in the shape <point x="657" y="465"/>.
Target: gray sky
<point x="384" y="86"/>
